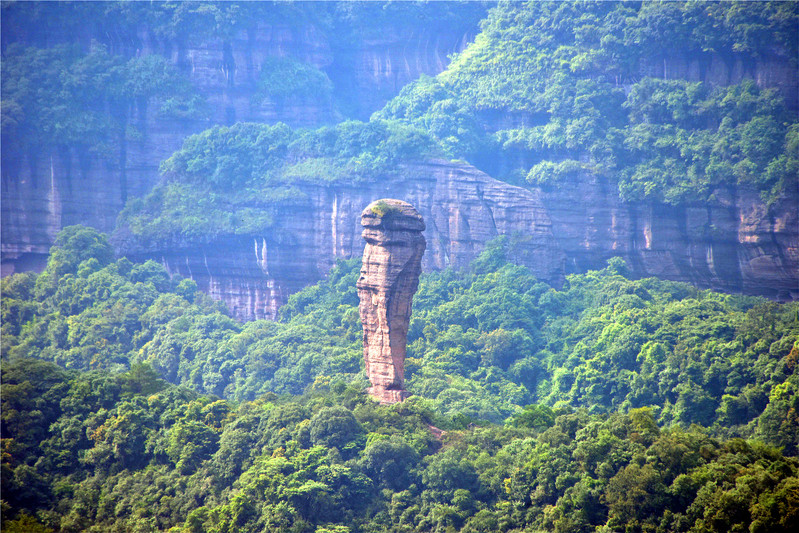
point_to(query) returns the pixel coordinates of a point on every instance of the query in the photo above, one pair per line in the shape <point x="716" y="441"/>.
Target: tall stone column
<point x="392" y="262"/>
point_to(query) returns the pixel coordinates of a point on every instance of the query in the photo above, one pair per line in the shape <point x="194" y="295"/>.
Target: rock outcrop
<point x="735" y="245"/>
<point x="774" y="69"/>
<point x="392" y="263"/>
<point x="463" y="209"/>
<point x="46" y="190"/>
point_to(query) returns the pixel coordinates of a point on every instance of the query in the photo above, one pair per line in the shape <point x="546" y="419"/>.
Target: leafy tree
<point x="543" y="82"/>
<point x="334" y="427"/>
<point x="389" y="462"/>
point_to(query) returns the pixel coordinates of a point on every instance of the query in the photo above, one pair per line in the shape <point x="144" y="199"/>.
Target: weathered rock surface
<point x="392" y="263"/>
<point x="774" y="69"/>
<point x="463" y="209"/>
<point x="736" y="244"/>
<point x="44" y="191"/>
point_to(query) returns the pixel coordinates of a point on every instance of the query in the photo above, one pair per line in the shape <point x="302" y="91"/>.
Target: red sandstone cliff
<point x="735" y="245"/>
<point x="43" y="192"/>
<point x="463" y="209"/>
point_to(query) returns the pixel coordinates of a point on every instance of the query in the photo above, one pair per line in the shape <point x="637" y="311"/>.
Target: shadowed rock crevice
<point x="392" y="263"/>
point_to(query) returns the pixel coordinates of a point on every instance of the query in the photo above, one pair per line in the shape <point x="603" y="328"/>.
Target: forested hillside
<point x="681" y="159"/>
<point x="660" y="97"/>
<point x="587" y="171"/>
<point x="610" y="402"/>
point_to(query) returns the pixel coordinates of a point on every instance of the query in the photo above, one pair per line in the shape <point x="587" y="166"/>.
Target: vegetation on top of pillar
<point x="381" y="208"/>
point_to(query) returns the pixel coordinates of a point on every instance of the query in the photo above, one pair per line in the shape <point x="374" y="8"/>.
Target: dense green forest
<point x="611" y="402"/>
<point x="126" y="452"/>
<point x="132" y="402"/>
<point x="551" y="91"/>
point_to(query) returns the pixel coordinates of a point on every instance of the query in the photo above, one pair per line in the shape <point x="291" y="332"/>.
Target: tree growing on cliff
<point x="545" y="81"/>
<point x="65" y="100"/>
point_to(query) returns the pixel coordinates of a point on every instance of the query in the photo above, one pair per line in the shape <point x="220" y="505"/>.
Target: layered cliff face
<point x="392" y="263"/>
<point x="45" y="190"/>
<point x="736" y="244"/>
<point x="463" y="209"/>
<point x="382" y="67"/>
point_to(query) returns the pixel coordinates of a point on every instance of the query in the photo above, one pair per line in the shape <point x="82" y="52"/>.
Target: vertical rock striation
<point x="44" y="191"/>
<point x="462" y="208"/>
<point x="392" y="262"/>
<point x="735" y="244"/>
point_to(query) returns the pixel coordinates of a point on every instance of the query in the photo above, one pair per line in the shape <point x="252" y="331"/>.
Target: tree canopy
<point x="552" y="91"/>
<point x="133" y="402"/>
<point x="483" y="342"/>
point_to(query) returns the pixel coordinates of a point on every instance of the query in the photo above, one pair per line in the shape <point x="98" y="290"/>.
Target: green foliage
<point x="282" y="79"/>
<point x="334" y="427"/>
<point x="105" y="460"/>
<point x="685" y="139"/>
<point x="546" y="81"/>
<point x="482" y="342"/>
<point x="580" y="473"/>
<point x="26" y="524"/>
<point x="551" y="173"/>
<point x="614" y="375"/>
<point x="533" y="416"/>
<point x="382" y="208"/>
<point x="66" y="98"/>
<point x="230" y="180"/>
<point x="75" y="247"/>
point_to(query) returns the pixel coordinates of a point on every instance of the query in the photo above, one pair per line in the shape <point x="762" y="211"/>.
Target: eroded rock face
<point x="46" y="191"/>
<point x="734" y="245"/>
<point x="392" y="263"/>
<point x="462" y="207"/>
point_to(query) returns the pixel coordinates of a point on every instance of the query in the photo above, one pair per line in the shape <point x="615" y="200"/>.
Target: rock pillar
<point x="392" y="262"/>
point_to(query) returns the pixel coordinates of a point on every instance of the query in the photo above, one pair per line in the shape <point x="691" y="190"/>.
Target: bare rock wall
<point x="734" y="245"/>
<point x="45" y="191"/>
<point x="392" y="263"/>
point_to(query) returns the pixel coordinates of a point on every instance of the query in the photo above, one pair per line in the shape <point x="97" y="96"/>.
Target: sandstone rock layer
<point x="392" y="263"/>
<point x="48" y="190"/>
<point x="735" y="245"/>
<point x="462" y="207"/>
